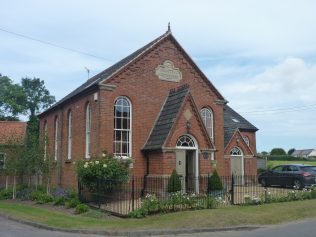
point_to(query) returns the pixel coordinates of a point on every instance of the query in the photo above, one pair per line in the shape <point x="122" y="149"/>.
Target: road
<point x="305" y="228"/>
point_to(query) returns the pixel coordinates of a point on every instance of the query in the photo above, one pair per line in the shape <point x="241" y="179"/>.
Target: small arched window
<point x="88" y="130"/>
<point x="236" y="151"/>
<point x="56" y="139"/>
<point x="122" y="127"/>
<point x="69" y="138"/>
<point x="207" y="117"/>
<point x="185" y="141"/>
<point x="246" y="139"/>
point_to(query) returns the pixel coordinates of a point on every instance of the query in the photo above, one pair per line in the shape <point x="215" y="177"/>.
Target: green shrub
<point x="103" y="173"/>
<point x="174" y="184"/>
<point x="36" y="195"/>
<point x="81" y="208"/>
<point x="6" y="194"/>
<point x="72" y="203"/>
<point x="44" y="198"/>
<point x="214" y="183"/>
<point x="59" y="200"/>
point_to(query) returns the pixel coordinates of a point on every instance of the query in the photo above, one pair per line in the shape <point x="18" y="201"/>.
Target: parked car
<point x="296" y="176"/>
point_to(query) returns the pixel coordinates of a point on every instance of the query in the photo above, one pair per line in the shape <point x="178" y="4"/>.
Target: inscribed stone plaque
<point x="168" y="72"/>
<point x="187" y="114"/>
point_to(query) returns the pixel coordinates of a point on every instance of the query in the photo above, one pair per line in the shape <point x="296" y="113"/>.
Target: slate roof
<point x="12" y="132"/>
<point x="233" y="121"/>
<point x="107" y="73"/>
<point x="305" y="152"/>
<point x="166" y="118"/>
<point x="94" y="81"/>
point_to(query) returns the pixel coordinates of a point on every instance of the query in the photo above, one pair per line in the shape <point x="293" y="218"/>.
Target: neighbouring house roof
<point x="305" y="152"/>
<point x="233" y="121"/>
<point x="166" y="118"/>
<point x="117" y="67"/>
<point x="12" y="132"/>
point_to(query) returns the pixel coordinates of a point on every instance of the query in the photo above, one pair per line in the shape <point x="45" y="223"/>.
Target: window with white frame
<point x="88" y="130"/>
<point x="56" y="138"/>
<point x="45" y="139"/>
<point x="246" y="139"/>
<point x="185" y="141"/>
<point x="2" y="160"/>
<point x="207" y="117"/>
<point x="122" y="127"/>
<point x="69" y="134"/>
<point x="236" y="151"/>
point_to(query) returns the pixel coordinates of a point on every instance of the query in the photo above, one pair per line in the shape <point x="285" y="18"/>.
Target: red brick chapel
<point x="157" y="107"/>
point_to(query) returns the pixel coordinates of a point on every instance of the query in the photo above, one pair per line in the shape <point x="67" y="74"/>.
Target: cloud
<point x="280" y="101"/>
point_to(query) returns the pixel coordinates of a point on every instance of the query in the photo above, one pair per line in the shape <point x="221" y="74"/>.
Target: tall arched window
<point x="88" y="130"/>
<point x="122" y="127"/>
<point x="246" y="139"/>
<point x="69" y="135"/>
<point x="45" y="139"/>
<point x="207" y="117"/>
<point x="56" y="139"/>
<point x="236" y="151"/>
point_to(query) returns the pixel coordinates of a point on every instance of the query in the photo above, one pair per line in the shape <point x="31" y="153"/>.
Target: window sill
<point x="68" y="161"/>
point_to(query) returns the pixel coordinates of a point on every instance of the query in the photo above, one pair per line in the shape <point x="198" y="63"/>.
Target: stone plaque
<point x="187" y="114"/>
<point x="168" y="72"/>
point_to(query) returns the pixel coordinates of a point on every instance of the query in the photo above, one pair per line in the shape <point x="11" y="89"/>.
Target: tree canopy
<point x="277" y="152"/>
<point x="29" y="98"/>
<point x="290" y="152"/>
<point x="12" y="99"/>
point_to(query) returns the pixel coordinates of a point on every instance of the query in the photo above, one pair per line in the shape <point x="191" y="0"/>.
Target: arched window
<point x="69" y="138"/>
<point x="56" y="139"/>
<point x="185" y="141"/>
<point x="45" y="139"/>
<point x="246" y="139"/>
<point x="122" y="127"/>
<point x="236" y="151"/>
<point x="207" y="117"/>
<point x="88" y="130"/>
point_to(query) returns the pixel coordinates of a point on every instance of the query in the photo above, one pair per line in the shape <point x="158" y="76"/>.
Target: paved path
<point x="305" y="228"/>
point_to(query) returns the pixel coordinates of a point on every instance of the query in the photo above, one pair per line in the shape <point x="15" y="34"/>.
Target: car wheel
<point x="264" y="183"/>
<point x="297" y="184"/>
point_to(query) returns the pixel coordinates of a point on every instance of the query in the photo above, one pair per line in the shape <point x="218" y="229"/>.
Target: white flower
<point x="96" y="162"/>
<point x="74" y="162"/>
<point x="104" y="166"/>
<point x="85" y="166"/>
<point x="103" y="154"/>
<point x="86" y="163"/>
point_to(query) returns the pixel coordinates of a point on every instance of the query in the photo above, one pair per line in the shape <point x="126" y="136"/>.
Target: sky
<point x="261" y="55"/>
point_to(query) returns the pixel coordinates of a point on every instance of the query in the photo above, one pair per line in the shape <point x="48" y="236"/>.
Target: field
<point x="272" y="163"/>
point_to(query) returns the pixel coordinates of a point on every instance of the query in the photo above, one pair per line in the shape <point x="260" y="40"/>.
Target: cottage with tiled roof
<point x="157" y="107"/>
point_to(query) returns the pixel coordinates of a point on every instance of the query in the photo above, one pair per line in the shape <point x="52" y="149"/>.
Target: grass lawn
<point x="229" y="216"/>
<point x="272" y="163"/>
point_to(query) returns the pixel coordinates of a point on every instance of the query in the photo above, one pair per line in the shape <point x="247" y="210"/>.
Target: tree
<point x="290" y="152"/>
<point x="12" y="99"/>
<point x="277" y="152"/>
<point x="174" y="184"/>
<point x="37" y="96"/>
<point x="214" y="183"/>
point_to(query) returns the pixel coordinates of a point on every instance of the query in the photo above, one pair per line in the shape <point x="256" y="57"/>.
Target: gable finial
<point x="169" y="28"/>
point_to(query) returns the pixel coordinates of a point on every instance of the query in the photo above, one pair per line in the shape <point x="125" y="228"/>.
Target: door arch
<point x="187" y="163"/>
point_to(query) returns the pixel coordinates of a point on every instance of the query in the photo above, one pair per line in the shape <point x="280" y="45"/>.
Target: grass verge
<point x="273" y="163"/>
<point x="230" y="216"/>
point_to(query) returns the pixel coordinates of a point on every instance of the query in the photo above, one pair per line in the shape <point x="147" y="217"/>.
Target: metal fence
<point x="123" y="197"/>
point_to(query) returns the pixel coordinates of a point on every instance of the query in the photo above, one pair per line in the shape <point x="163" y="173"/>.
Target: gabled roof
<point x="12" y="132"/>
<point x="166" y="119"/>
<point x="108" y="73"/>
<point x="233" y="121"/>
<point x="238" y="133"/>
<point x="302" y="152"/>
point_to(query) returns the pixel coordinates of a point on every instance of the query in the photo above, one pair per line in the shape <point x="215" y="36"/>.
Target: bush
<point x="6" y="194"/>
<point x="174" y="184"/>
<point x="214" y="183"/>
<point x="103" y="173"/>
<point x="72" y="203"/>
<point x="59" y="200"/>
<point x="36" y="195"/>
<point x="24" y="194"/>
<point x="81" y="208"/>
<point x="44" y="198"/>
